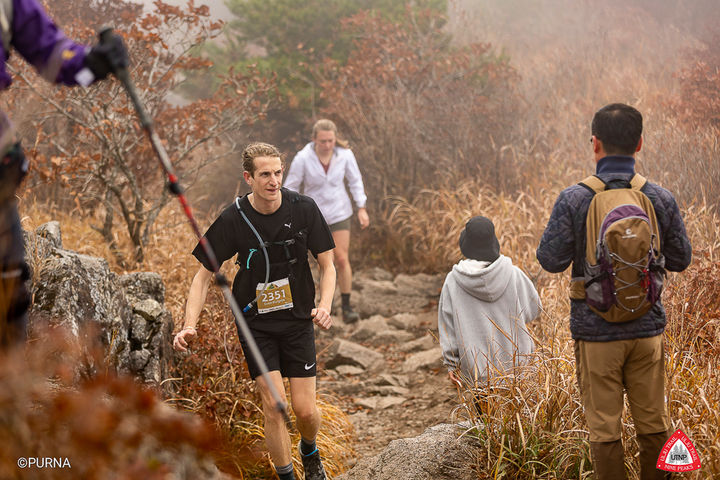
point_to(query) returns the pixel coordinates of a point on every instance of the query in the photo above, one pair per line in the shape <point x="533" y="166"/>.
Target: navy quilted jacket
<point x="563" y="243"/>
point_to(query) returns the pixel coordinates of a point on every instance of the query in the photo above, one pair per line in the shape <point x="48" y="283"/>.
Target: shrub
<point x="415" y="106"/>
<point x="104" y="426"/>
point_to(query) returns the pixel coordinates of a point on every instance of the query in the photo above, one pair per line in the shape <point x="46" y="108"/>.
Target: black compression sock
<point x="345" y="300"/>
<point x="285" y="472"/>
<point x="306" y="448"/>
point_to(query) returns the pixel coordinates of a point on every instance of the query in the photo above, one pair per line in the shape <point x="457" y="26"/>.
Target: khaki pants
<point x="606" y="369"/>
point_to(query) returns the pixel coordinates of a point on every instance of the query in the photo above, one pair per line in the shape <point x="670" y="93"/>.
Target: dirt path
<point x="391" y="402"/>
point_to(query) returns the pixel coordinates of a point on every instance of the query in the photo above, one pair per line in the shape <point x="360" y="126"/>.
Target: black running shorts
<point x="291" y="350"/>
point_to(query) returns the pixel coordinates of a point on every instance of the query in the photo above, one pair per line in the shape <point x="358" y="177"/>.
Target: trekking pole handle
<point x="122" y="74"/>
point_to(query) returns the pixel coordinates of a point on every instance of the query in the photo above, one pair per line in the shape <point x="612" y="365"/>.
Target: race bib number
<point x="277" y="296"/>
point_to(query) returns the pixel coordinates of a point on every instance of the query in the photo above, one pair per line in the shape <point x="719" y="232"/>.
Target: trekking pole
<point x="174" y="187"/>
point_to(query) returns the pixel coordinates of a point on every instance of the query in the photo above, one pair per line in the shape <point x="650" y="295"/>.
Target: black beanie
<point x="478" y="240"/>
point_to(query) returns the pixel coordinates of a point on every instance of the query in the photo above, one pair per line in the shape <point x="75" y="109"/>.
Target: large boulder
<point x="440" y="453"/>
<point x="82" y="295"/>
<point x="124" y="314"/>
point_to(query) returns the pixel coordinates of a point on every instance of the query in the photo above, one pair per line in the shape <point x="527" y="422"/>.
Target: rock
<point x="151" y="327"/>
<point x="139" y="360"/>
<point x="379" y="403"/>
<point x="387" y="390"/>
<point x="391" y="401"/>
<point x="343" y="352"/>
<point x="426" y="342"/>
<point x="399" y="380"/>
<point x="126" y="314"/>
<point x="51" y="232"/>
<point x="440" y="453"/>
<point x="382" y="297"/>
<point x="391" y="336"/>
<point x="410" y="321"/>
<point x="358" y="417"/>
<point x="375" y="273"/>
<point x="143" y="285"/>
<point x="367" y="329"/>
<point x="349" y="370"/>
<point x="149" y="309"/>
<point x="427" y="359"/>
<point x="81" y="294"/>
<point x="420" y="284"/>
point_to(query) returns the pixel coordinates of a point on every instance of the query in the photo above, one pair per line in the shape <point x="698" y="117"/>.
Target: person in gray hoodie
<point x="484" y="306"/>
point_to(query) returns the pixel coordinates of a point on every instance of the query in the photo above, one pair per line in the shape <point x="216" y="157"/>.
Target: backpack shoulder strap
<point x="593" y="183"/>
<point x="6" y="19"/>
<point x="292" y="195"/>
<point x="637" y="182"/>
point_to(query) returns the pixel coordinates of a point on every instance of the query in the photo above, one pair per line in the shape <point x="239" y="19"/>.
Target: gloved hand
<point x="108" y="56"/>
<point x="13" y="168"/>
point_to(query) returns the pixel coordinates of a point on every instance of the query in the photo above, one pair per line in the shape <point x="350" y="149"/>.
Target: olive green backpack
<point x="624" y="269"/>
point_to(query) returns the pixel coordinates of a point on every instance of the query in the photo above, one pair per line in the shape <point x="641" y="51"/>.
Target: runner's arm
<point x="355" y="182"/>
<point x="321" y="314"/>
<point x="195" y="302"/>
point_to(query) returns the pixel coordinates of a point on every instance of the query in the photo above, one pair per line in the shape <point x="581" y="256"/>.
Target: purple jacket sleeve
<point x="43" y="45"/>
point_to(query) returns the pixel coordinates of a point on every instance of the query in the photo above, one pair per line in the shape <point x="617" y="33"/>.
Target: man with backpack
<point x="620" y="233"/>
<point x="25" y="26"/>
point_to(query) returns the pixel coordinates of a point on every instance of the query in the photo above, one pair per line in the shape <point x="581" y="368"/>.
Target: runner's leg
<point x="303" y="398"/>
<point x="276" y="434"/>
<point x="342" y="261"/>
<point x="302" y="391"/>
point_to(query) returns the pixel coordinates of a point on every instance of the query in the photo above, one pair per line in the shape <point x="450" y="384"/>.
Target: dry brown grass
<point x="535" y="427"/>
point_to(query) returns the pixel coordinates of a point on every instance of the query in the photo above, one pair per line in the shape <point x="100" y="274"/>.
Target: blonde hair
<point x="327" y="125"/>
<point x="258" y="149"/>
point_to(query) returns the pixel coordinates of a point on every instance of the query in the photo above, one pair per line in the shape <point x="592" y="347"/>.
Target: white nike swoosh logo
<point x="308" y="367"/>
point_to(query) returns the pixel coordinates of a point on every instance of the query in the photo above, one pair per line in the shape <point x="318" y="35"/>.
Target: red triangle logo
<point x="678" y="454"/>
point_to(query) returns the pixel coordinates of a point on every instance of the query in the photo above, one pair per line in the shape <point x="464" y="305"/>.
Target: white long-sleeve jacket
<point x="482" y="314"/>
<point x="328" y="189"/>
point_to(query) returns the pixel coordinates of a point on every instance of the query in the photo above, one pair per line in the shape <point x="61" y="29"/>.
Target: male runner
<point x="282" y="318"/>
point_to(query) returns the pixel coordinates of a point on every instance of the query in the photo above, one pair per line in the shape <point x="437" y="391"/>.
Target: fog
<point x="217" y="7"/>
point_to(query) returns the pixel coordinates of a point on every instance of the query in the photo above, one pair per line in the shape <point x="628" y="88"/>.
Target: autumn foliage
<point x="87" y="146"/>
<point x="416" y="106"/>
<point x="699" y="102"/>
<point x="105" y="426"/>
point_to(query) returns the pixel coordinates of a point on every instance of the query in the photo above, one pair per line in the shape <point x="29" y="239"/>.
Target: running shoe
<point x="350" y="315"/>
<point x="312" y="465"/>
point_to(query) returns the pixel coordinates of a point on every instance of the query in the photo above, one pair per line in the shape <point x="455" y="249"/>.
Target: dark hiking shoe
<point x="312" y="465"/>
<point x="350" y="315"/>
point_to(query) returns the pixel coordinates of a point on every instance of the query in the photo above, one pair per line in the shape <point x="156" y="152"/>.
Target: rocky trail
<point x="386" y="369"/>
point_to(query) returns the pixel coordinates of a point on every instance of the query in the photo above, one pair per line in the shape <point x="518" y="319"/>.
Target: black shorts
<point x="290" y="349"/>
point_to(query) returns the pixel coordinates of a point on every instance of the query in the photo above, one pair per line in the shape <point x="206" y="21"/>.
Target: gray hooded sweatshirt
<point x="482" y="314"/>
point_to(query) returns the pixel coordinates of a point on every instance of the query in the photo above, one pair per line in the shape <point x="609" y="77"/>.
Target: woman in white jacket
<point x="321" y="168"/>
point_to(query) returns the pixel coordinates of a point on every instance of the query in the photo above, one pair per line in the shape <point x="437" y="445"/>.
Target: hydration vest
<point x="292" y="251"/>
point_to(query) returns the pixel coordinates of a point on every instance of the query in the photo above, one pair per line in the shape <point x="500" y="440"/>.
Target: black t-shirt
<point x="298" y="219"/>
